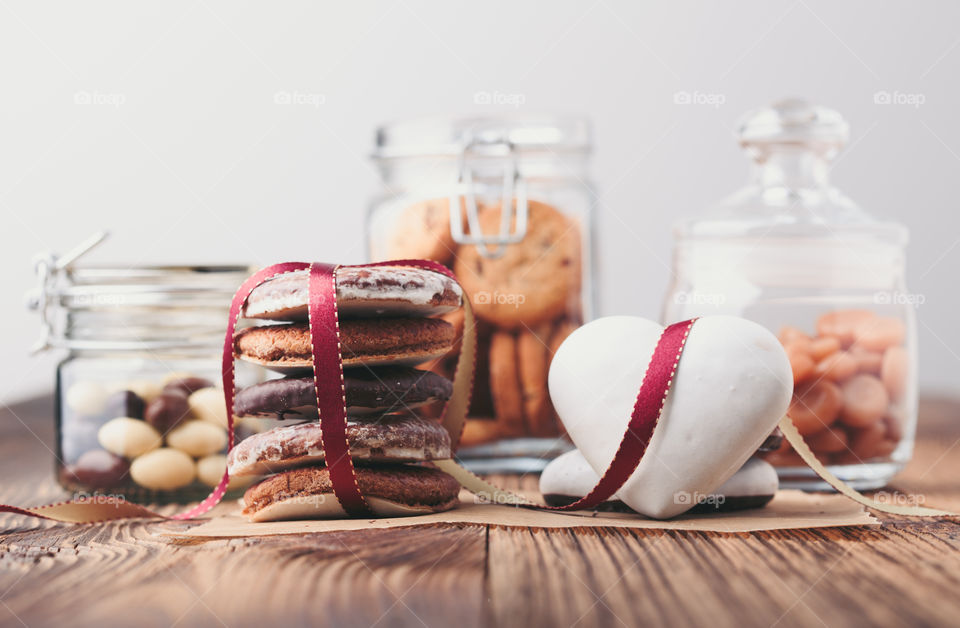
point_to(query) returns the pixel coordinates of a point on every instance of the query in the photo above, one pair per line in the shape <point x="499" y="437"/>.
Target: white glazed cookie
<point x="571" y="476"/>
<point x="731" y="387"/>
<point x="374" y="291"/>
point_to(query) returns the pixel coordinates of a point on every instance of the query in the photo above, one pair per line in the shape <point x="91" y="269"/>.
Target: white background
<point x="199" y="164"/>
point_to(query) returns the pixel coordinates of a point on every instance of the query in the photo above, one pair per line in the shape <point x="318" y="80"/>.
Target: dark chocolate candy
<point x="167" y="411"/>
<point x="124" y="403"/>
<point x="188" y="385"/>
<point x="96" y="469"/>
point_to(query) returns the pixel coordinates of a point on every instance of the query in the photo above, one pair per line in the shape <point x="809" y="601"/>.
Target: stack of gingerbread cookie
<point x="527" y="296"/>
<point x="387" y="327"/>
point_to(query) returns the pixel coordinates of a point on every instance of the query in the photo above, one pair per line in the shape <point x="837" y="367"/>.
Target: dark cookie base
<point x="729" y="504"/>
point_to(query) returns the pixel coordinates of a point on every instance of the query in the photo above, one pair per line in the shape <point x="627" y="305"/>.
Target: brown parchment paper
<point x="788" y="510"/>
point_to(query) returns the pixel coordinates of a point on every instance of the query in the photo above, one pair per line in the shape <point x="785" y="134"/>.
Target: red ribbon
<point x="644" y="418"/>
<point x="331" y="403"/>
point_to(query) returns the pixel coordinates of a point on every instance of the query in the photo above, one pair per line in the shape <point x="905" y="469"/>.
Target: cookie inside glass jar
<point x="502" y="202"/>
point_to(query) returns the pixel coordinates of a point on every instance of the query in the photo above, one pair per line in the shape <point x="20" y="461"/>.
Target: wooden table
<point x="905" y="572"/>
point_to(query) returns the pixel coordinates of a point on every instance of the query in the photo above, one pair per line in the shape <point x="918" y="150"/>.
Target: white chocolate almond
<point x="197" y="438"/>
<point x="207" y="404"/>
<point x="163" y="469"/>
<point x="128" y="437"/>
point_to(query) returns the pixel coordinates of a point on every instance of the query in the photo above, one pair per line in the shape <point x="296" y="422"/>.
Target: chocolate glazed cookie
<point x="368" y="391"/>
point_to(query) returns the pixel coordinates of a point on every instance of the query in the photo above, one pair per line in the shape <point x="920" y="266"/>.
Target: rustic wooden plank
<point x="126" y="573"/>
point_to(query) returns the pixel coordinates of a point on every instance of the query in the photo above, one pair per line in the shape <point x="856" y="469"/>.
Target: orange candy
<point x="865" y="401"/>
<point x="872" y="442"/>
<point x="802" y="366"/>
<point x="788" y="334"/>
<point x="815" y="407"/>
<point x="830" y="440"/>
<point x="851" y="371"/>
<point x="842" y="324"/>
<point x="836" y="366"/>
<point x="880" y="332"/>
<point x="822" y="347"/>
<point x="867" y="361"/>
<point x="893" y="371"/>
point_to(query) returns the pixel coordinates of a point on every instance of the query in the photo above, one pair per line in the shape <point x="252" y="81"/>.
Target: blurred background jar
<point x="793" y="253"/>
<point x="504" y="202"/>
<point x="139" y="402"/>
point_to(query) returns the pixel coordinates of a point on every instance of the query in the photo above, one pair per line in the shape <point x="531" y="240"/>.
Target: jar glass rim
<point x="452" y="135"/>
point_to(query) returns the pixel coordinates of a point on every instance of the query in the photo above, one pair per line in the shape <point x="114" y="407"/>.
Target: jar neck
<point x="794" y="170"/>
<point x="409" y="173"/>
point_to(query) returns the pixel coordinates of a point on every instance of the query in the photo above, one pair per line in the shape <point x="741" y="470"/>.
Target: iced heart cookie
<point x="390" y="491"/>
<point x="406" y="341"/>
<point x="732" y="385"/>
<point x="392" y="438"/>
<point x="534" y="280"/>
<point x="368" y="391"/>
<point x="376" y="291"/>
<point x="569" y="477"/>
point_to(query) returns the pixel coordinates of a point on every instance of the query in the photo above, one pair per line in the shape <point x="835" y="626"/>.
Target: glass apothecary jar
<point x="793" y="253"/>
<point x="503" y="201"/>
<point x="139" y="403"/>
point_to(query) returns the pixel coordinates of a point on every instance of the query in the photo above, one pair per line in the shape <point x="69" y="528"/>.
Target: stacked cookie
<point x="527" y="298"/>
<point x="386" y="329"/>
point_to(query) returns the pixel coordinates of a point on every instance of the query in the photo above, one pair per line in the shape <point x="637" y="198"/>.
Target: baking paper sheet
<point x="789" y="510"/>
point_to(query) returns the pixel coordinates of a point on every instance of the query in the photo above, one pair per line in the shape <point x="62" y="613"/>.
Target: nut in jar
<point x="504" y="206"/>
<point x="851" y="379"/>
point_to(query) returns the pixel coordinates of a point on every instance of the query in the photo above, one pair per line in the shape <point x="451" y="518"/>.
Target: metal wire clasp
<point x="49" y="268"/>
<point x="513" y="187"/>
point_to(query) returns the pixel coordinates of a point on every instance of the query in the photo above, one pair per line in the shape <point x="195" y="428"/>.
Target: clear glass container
<point x="139" y="402"/>
<point x="505" y="202"/>
<point x="791" y="252"/>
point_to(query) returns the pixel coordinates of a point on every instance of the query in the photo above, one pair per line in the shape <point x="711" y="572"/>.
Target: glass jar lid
<point x="496" y="135"/>
<point x="794" y="121"/>
<point x="131" y="308"/>
<point x="791" y="144"/>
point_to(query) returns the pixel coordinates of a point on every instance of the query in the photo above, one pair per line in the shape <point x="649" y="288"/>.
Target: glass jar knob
<point x="792" y="143"/>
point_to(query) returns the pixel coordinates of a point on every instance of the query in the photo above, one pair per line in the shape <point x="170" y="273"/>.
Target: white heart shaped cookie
<point x="732" y="386"/>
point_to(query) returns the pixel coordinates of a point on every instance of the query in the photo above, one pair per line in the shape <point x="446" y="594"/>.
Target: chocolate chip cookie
<point x="534" y="280"/>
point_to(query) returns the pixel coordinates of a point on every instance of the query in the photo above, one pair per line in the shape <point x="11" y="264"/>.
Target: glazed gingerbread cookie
<point x="534" y="280"/>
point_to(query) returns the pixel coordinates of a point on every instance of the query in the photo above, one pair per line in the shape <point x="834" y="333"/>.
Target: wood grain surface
<point x="126" y="574"/>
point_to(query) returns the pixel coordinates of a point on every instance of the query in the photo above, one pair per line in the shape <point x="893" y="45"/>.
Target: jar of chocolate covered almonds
<point x="792" y="252"/>
<point x="139" y="403"/>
